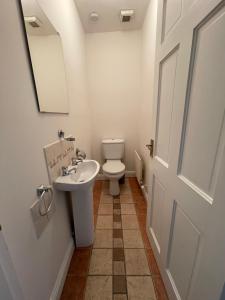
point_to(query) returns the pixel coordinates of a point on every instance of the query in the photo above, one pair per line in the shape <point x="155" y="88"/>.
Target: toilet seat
<point x="113" y="167"/>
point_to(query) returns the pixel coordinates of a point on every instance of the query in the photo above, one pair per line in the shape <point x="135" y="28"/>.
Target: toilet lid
<point x="113" y="167"/>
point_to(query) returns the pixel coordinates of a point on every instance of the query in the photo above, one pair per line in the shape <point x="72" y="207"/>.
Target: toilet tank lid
<point x="112" y="141"/>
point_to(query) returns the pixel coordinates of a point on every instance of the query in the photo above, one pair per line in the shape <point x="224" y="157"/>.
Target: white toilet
<point x="113" y="168"/>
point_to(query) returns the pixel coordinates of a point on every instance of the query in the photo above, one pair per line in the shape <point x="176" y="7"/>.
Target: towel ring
<point x="41" y="191"/>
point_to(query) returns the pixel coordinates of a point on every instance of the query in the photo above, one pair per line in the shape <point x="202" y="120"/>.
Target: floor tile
<point x="126" y="199"/>
<point x="125" y="190"/>
<point x="99" y="287"/>
<point x="128" y="209"/>
<point x="136" y="262"/>
<point x="140" y="288"/>
<point x="105" y="190"/>
<point x="129" y="222"/>
<point x="117" y="233"/>
<point x="152" y="262"/>
<point x="132" y="239"/>
<point x="160" y="289"/>
<point x="80" y="262"/>
<point x="117" y="225"/>
<point x="101" y="262"/>
<point x="105" y="209"/>
<point x="117" y="218"/>
<point x="119" y="285"/>
<point x="118" y="254"/>
<point x="118" y="243"/>
<point x="103" y="238"/>
<point x="118" y="268"/>
<point x="116" y="205"/>
<point x="119" y="297"/>
<point x="141" y="209"/>
<point x="116" y="201"/>
<point x="104" y="222"/>
<point x="73" y="288"/>
<point x="106" y="199"/>
<point x="116" y="211"/>
<point x="125" y="257"/>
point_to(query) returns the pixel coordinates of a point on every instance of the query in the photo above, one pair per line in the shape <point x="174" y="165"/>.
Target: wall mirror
<point x="46" y="57"/>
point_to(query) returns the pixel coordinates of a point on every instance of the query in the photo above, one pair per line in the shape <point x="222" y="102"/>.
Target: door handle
<point x="150" y="147"/>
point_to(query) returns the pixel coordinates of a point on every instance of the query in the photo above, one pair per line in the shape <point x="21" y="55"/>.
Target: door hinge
<point x="151" y="147"/>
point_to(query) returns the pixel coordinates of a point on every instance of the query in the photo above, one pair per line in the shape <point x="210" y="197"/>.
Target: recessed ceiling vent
<point x="126" y="15"/>
<point x="33" y="21"/>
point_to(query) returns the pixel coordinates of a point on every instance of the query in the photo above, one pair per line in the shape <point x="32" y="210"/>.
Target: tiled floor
<point x="121" y="264"/>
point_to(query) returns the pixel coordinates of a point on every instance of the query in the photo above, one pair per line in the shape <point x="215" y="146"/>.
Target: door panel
<point x="204" y="119"/>
<point x="182" y="251"/>
<point x="165" y="106"/>
<point x="158" y="197"/>
<point x="172" y="12"/>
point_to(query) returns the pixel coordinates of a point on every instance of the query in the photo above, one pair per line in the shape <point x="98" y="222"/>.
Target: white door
<point x="186" y="220"/>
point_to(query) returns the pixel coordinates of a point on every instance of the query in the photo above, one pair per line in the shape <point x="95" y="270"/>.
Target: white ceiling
<point x="109" y="14"/>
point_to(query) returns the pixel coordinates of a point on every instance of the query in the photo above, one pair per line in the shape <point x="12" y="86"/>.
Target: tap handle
<point x="64" y="171"/>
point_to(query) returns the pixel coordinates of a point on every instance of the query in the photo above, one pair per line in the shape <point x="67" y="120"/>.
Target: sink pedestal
<point x="82" y="201"/>
<point x="79" y="183"/>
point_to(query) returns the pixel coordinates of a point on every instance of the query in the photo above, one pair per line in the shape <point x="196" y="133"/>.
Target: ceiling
<point x="30" y="9"/>
<point x="109" y="14"/>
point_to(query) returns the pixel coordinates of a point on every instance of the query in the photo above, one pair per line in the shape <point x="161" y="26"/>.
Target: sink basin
<point x="80" y="185"/>
<point x="83" y="177"/>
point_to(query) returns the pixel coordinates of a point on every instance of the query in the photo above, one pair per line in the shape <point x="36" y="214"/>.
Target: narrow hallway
<point x="121" y="264"/>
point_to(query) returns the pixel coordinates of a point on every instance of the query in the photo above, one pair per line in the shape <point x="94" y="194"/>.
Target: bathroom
<point x="129" y="81"/>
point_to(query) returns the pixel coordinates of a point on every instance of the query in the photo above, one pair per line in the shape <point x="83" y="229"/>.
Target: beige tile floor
<point x="118" y="267"/>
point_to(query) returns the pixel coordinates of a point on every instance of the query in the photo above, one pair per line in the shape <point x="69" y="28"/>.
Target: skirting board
<point x="127" y="174"/>
<point x="61" y="277"/>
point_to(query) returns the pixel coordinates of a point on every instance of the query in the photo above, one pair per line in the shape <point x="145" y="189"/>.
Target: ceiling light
<point x="94" y="16"/>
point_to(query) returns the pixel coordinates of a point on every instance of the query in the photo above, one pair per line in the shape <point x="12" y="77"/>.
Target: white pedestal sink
<point x="80" y="184"/>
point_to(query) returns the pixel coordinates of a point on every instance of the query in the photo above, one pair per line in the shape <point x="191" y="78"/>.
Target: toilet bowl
<point x="113" y="168"/>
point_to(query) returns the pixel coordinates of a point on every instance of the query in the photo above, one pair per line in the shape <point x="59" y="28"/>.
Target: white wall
<point x="113" y="61"/>
<point x="146" y="105"/>
<point x="23" y="133"/>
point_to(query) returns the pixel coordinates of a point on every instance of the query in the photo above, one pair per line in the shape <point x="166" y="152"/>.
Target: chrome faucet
<point x="66" y="170"/>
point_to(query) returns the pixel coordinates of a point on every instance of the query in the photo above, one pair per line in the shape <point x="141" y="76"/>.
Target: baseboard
<point x="61" y="277"/>
<point x="130" y="174"/>
<point x="127" y="174"/>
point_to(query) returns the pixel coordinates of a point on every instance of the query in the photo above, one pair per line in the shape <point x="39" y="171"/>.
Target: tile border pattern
<point x="119" y="276"/>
